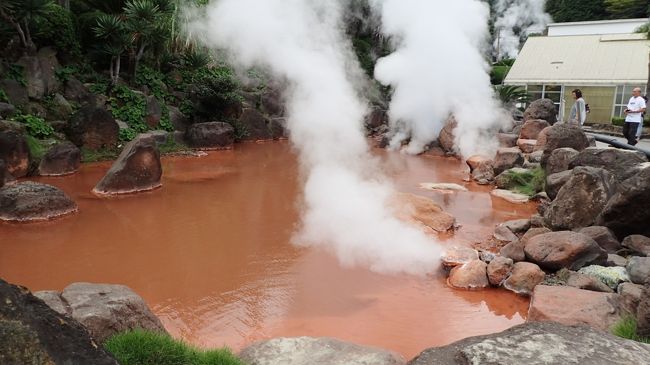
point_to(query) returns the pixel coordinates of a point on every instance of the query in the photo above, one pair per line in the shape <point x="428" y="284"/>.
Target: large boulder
<point x="29" y="202"/>
<point x="561" y="135"/>
<point x="470" y="276"/>
<point x="15" y="152"/>
<point x="543" y="109"/>
<point x="481" y="168"/>
<point x="560" y="159"/>
<point x="627" y="212"/>
<point x="622" y="163"/>
<point x="637" y="243"/>
<point x="555" y="182"/>
<point x="16" y="93"/>
<point x="604" y="237"/>
<point x="257" y="125"/>
<point x="62" y="159"/>
<point x="75" y="91"/>
<point x="137" y="169"/>
<point x="538" y="343"/>
<point x="507" y="158"/>
<point x="212" y="135"/>
<point x="104" y="309"/>
<point x="447" y="136"/>
<point x="40" y="73"/>
<point x="573" y="306"/>
<point x="93" y="128"/>
<point x="33" y="333"/>
<point x="422" y="211"/>
<point x="565" y="249"/>
<point x="524" y="278"/>
<point x="580" y="201"/>
<point x="499" y="269"/>
<point x="315" y="351"/>
<point x="639" y="270"/>
<point x="532" y="128"/>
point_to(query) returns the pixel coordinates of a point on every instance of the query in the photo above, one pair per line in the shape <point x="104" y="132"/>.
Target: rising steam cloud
<point x="438" y="69"/>
<point x="345" y="198"/>
<point x="515" y="20"/>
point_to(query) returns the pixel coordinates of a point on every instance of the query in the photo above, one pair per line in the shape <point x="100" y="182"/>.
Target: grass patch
<point x="626" y="328"/>
<point x="529" y="182"/>
<point x="36" y="147"/>
<point x="103" y="154"/>
<point x="147" y="348"/>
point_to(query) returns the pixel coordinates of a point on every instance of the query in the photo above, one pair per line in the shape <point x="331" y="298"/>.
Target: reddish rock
<point x="514" y="251"/>
<point x="559" y="136"/>
<point x="572" y="306"/>
<point x="456" y="256"/>
<point x="631" y="295"/>
<point x="422" y="211"/>
<point x="527" y="145"/>
<point x="481" y="169"/>
<point x="532" y="128"/>
<point x="507" y="158"/>
<point x="558" y="250"/>
<point x="62" y="159"/>
<point x="138" y="168"/>
<point x="637" y="243"/>
<point x="507" y="140"/>
<point x="93" y="128"/>
<point x="518" y="226"/>
<point x="30" y="202"/>
<point x="543" y="109"/>
<point x="643" y="313"/>
<point x="604" y="237"/>
<point x="587" y="282"/>
<point x="15" y="153"/>
<point x="559" y="160"/>
<point x="447" y="137"/>
<point x="499" y="269"/>
<point x="472" y="275"/>
<point x="534" y="232"/>
<point x="524" y="278"/>
<point x="502" y="233"/>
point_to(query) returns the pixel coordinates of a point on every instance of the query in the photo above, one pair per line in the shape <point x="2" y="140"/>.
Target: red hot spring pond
<point x="210" y="253"/>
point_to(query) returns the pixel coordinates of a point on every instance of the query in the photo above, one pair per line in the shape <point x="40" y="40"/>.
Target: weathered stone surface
<point x="514" y="250"/>
<point x="15" y="152"/>
<point x="153" y="113"/>
<point x="62" y="159"/>
<point x="3" y="173"/>
<point x="272" y="102"/>
<point x="543" y="109"/>
<point x="7" y="110"/>
<point x="557" y="250"/>
<point x="481" y="169"/>
<point x="643" y="313"/>
<point x="60" y="108"/>
<point x="555" y="182"/>
<point x="603" y="236"/>
<point x="315" y="351"/>
<point x="581" y="199"/>
<point x="572" y="306"/>
<point x="137" y="169"/>
<point x="470" y="276"/>
<point x="587" y="282"/>
<point x="532" y="127"/>
<point x="510" y="196"/>
<point x="77" y="92"/>
<point x="257" y="125"/>
<point x="507" y="140"/>
<point x="637" y="243"/>
<point x="610" y="276"/>
<point x="561" y="135"/>
<point x="524" y="278"/>
<point x="178" y="119"/>
<point x="534" y="232"/>
<point x="16" y="93"/>
<point x="627" y="212"/>
<point x="615" y="260"/>
<point x="32" y="333"/>
<point x="35" y="81"/>
<point x="456" y="256"/>
<point x="503" y="233"/>
<point x="499" y="269"/>
<point x="212" y="135"/>
<point x="106" y="310"/>
<point x="560" y="159"/>
<point x="422" y="211"/>
<point x="639" y="270"/>
<point x="29" y="201"/>
<point x="630" y="295"/>
<point x="447" y="137"/>
<point x="444" y="187"/>
<point x="93" y="128"/>
<point x="539" y="343"/>
<point x="507" y="158"/>
<point x="621" y="163"/>
<point x="526" y="145"/>
<point x="518" y="226"/>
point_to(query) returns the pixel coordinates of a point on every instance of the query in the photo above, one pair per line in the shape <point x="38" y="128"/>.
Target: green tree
<point x="627" y="9"/>
<point x="576" y="10"/>
<point x="21" y="14"/>
<point x="112" y="31"/>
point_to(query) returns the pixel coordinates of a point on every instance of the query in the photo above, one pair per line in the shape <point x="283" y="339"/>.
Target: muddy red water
<point x="210" y="254"/>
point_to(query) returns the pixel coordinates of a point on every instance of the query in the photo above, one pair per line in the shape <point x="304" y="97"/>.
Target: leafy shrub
<point x="36" y="127"/>
<point x="619" y="121"/>
<point x="99" y="88"/>
<point x="154" y="80"/>
<point x="127" y="134"/>
<point x="215" y="90"/>
<point x="14" y="72"/>
<point x="58" y="28"/>
<point x="147" y="348"/>
<point x="64" y="73"/>
<point x="129" y="107"/>
<point x="627" y="328"/>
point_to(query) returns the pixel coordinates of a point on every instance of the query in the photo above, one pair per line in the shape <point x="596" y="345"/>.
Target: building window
<point x="553" y="92"/>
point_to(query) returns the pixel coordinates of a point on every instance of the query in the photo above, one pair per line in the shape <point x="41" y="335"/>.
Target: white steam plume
<point x="438" y="69"/>
<point x="515" y="20"/>
<point x="346" y="199"/>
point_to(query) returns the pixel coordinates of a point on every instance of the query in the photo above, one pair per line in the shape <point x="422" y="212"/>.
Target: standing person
<point x="635" y="109"/>
<point x="579" y="109"/>
<point x="639" y="133"/>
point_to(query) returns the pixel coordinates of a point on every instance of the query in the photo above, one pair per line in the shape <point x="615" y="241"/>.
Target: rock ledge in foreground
<point x="32" y="202"/>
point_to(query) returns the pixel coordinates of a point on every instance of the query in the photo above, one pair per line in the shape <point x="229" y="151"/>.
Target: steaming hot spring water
<point x="211" y="254"/>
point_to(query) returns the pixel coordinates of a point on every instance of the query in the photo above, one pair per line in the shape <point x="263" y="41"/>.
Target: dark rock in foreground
<point x="93" y="127"/>
<point x="32" y="333"/>
<point x="30" y="202"/>
<point x="213" y="135"/>
<point x="15" y="152"/>
<point x="137" y="169"/>
<point x="543" y="109"/>
<point x="62" y="159"/>
<point x="315" y="351"/>
<point x="539" y="344"/>
<point x="618" y="161"/>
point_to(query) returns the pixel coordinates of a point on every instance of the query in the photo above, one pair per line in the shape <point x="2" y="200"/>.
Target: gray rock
<point x="637" y="243"/>
<point x="29" y="202"/>
<point x="616" y="260"/>
<point x="502" y="233"/>
<point x="639" y="270"/>
<point x="7" y="110"/>
<point x="621" y="163"/>
<point x="540" y="343"/>
<point x="257" y="125"/>
<point x="62" y="159"/>
<point x="213" y="135"/>
<point x="559" y="160"/>
<point x="15" y="153"/>
<point x="543" y="109"/>
<point x="555" y="182"/>
<point x="315" y="351"/>
<point x="16" y="93"/>
<point x="178" y="119"/>
<point x="507" y="158"/>
<point x="558" y="250"/>
<point x="631" y="295"/>
<point x="604" y="237"/>
<point x="77" y="92"/>
<point x="518" y="226"/>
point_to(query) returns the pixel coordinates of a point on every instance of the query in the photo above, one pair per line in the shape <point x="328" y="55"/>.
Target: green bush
<point x="154" y="80"/>
<point x="619" y="121"/>
<point x="129" y="107"/>
<point x="57" y="28"/>
<point x="627" y="328"/>
<point x="529" y="183"/>
<point x="127" y="134"/>
<point x="146" y="348"/>
<point x="36" y="127"/>
<point x="36" y="148"/>
<point x="216" y="90"/>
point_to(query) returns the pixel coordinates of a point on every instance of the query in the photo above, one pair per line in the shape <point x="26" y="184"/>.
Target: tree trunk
<point x="138" y="57"/>
<point x="117" y="69"/>
<point x="16" y="25"/>
<point x="28" y="38"/>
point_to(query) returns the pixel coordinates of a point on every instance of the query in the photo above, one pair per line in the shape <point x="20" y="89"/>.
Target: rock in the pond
<point x="456" y="256"/>
<point x="15" y="152"/>
<point x="514" y="250"/>
<point x="615" y="260"/>
<point x="447" y="135"/>
<point x="442" y="187"/>
<point x="315" y="351"/>
<point x="639" y="270"/>
<point x="105" y="309"/>
<point x="137" y="169"/>
<point x="572" y="306"/>
<point x="422" y="211"/>
<point x="510" y="196"/>
<point x="555" y="182"/>
<point x="507" y="158"/>
<point x="587" y="282"/>
<point x="93" y="128"/>
<point x="621" y="163"/>
<point x="30" y="202"/>
<point x="524" y="278"/>
<point x="565" y="249"/>
<point x="503" y="233"/>
<point x="611" y="276"/>
<point x="581" y="199"/>
<point x="559" y="160"/>
<point x="32" y="333"/>
<point x="627" y="212"/>
<point x="532" y="128"/>
<point x="539" y="343"/>
<point x="257" y="125"/>
<point x="470" y="276"/>
<point x="637" y="243"/>
<point x="643" y="314"/>
<point x="481" y="169"/>
<point x="603" y="236"/>
<point x="499" y="269"/>
<point x="62" y="159"/>
<point x="630" y="295"/>
<point x="213" y="135"/>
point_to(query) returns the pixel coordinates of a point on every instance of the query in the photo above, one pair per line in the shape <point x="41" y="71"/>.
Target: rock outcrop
<point x="555" y="182"/>
<point x="621" y="163"/>
<point x="639" y="270"/>
<point x="604" y="237"/>
<point x="93" y="128"/>
<point x="210" y="136"/>
<point x="507" y="158"/>
<point x="31" y="202"/>
<point x="481" y="168"/>
<point x="565" y="249"/>
<point x="561" y="135"/>
<point x="559" y="160"/>
<point x="137" y="169"/>
<point x="62" y="159"/>
<point x="638" y="244"/>
<point x="532" y="128"/>
<point x="543" y="109"/>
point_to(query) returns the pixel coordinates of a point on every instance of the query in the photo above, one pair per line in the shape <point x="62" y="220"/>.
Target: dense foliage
<point x="583" y="10"/>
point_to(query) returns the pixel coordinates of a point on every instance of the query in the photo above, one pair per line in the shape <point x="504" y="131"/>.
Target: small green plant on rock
<point x="528" y="182"/>
<point x="148" y="348"/>
<point x="627" y="328"/>
<point x="129" y="107"/>
<point x="36" y="127"/>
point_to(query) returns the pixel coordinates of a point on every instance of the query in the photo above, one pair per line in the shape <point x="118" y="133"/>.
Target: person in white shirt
<point x="635" y="109"/>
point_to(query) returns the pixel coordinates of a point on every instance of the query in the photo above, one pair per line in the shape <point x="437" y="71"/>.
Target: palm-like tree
<point x="112" y="30"/>
<point x="20" y="14"/>
<point x="510" y="95"/>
